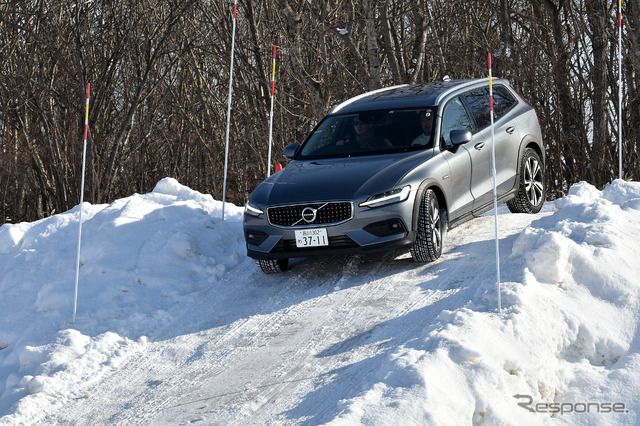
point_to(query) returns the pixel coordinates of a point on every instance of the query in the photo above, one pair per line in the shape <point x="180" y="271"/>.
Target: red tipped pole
<point x="226" y="149"/>
<point x="495" y="192"/>
<point x="84" y="158"/>
<point x="273" y="90"/>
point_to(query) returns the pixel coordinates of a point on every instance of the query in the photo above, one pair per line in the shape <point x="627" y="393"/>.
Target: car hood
<point x="337" y="179"/>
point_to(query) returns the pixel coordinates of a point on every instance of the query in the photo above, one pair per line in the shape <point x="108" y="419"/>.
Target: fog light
<point x="386" y="228"/>
<point x="255" y="238"/>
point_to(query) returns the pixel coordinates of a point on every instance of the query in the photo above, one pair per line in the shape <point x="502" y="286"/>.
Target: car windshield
<point x="371" y="133"/>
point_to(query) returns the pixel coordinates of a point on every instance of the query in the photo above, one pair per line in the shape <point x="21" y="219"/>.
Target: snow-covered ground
<point x="175" y="325"/>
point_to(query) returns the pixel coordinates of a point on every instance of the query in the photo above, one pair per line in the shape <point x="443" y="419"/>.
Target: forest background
<point x="159" y="74"/>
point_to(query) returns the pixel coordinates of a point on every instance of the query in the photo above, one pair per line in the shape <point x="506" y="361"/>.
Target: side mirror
<point x="290" y="150"/>
<point x="460" y="137"/>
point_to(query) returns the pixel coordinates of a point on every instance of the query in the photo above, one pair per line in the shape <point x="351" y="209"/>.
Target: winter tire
<point x="428" y="245"/>
<point x="272" y="266"/>
<point x="530" y="195"/>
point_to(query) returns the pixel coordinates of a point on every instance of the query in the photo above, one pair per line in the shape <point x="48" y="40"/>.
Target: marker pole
<point x="226" y="149"/>
<point x="273" y="89"/>
<point x="620" y="88"/>
<point x="84" y="158"/>
<point x="495" y="192"/>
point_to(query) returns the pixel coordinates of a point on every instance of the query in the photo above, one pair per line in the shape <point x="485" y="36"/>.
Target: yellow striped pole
<point x="273" y="89"/>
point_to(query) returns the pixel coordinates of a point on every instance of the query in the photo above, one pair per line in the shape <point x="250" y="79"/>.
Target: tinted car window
<point x="455" y="118"/>
<point x="478" y="103"/>
<point x="370" y="133"/>
<point x="503" y="101"/>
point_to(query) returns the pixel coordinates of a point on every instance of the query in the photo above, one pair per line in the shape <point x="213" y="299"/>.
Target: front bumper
<point x="369" y="230"/>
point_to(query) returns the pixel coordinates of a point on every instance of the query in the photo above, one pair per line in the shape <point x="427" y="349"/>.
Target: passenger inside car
<point x="426" y="123"/>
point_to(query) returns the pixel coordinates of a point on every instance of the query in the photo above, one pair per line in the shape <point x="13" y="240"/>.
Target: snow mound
<point x="145" y="260"/>
<point x="171" y="187"/>
<point x="565" y="346"/>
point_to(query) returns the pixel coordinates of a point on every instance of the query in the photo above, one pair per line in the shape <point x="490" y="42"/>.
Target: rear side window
<point x="478" y="103"/>
<point x="503" y="101"/>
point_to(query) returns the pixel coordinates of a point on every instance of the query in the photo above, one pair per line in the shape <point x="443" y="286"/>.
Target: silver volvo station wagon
<point x="391" y="169"/>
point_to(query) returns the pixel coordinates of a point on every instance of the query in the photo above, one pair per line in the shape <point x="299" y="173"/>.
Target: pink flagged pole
<point x="273" y="89"/>
<point x="226" y="149"/>
<point x="84" y="158"/>
<point x="495" y="192"/>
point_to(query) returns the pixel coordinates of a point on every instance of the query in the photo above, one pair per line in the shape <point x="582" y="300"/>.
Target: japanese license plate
<point x="312" y="238"/>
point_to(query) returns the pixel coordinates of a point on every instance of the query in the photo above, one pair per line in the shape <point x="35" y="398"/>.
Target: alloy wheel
<point x="533" y="183"/>
<point x="434" y="217"/>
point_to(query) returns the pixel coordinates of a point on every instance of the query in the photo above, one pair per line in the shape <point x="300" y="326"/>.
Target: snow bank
<point x="565" y="347"/>
<point x="145" y="260"/>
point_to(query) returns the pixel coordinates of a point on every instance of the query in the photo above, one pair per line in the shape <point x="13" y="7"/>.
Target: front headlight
<point x="252" y="210"/>
<point x="389" y="197"/>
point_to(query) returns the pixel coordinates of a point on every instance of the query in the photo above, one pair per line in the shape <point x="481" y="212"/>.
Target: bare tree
<point x="159" y="71"/>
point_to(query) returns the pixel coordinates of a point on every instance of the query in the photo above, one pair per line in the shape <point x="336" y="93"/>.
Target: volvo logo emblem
<point x="309" y="214"/>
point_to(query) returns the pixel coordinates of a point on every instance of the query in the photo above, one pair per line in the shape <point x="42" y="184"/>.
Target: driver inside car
<point x="365" y="136"/>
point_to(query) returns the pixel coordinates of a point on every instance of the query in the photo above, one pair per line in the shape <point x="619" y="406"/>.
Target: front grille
<point x="315" y="213"/>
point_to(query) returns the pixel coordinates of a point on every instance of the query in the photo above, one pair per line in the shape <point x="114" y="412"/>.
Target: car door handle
<point x="479" y="146"/>
<point x="510" y="130"/>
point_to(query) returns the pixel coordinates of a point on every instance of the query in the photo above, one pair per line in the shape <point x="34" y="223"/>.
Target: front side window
<point x="370" y="133"/>
<point x="455" y="118"/>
